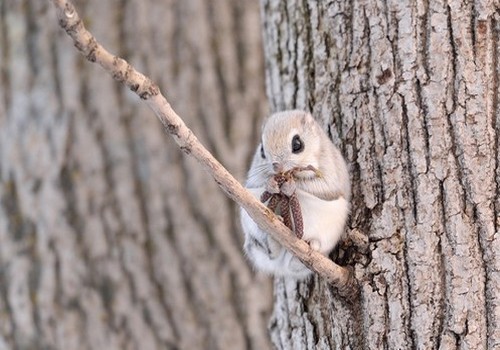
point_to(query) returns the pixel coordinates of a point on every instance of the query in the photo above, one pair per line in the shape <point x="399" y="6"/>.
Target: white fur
<point x="324" y="197"/>
<point x="323" y="226"/>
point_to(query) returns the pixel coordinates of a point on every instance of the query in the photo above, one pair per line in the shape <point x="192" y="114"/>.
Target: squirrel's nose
<point x="277" y="167"/>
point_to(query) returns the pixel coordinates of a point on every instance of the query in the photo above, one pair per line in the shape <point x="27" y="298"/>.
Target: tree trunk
<point x="109" y="237"/>
<point x="409" y="91"/>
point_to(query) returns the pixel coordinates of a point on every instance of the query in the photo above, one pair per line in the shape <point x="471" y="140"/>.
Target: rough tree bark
<point x="109" y="237"/>
<point x="409" y="91"/>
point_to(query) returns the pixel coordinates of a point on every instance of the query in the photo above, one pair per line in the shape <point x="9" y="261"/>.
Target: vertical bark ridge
<point x="163" y="328"/>
<point x="493" y="241"/>
<point x="174" y="289"/>
<point x="4" y="66"/>
<point x="218" y="38"/>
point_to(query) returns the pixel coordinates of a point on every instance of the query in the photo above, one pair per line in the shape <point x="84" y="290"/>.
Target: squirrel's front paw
<point x="272" y="186"/>
<point x="274" y="247"/>
<point x="315" y="244"/>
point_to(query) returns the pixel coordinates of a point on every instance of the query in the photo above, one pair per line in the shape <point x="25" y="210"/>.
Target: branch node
<point x="92" y="50"/>
<point x="69" y="11"/>
<point x="173" y="129"/>
<point x="70" y="26"/>
<point x="151" y="89"/>
<point x="186" y="150"/>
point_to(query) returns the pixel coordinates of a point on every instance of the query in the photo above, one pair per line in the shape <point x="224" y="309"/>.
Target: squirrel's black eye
<point x="297" y="144"/>
<point x="262" y="154"/>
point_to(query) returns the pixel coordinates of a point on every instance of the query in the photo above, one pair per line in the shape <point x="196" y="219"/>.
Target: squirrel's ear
<point x="264" y="123"/>
<point x="308" y="119"/>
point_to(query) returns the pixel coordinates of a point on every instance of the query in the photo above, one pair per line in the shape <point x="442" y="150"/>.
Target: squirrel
<point x="294" y="141"/>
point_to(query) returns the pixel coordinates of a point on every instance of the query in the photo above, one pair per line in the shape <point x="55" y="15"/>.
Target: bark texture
<point x="109" y="237"/>
<point x="409" y="91"/>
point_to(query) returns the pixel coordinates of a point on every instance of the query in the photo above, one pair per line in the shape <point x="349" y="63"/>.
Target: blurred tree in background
<point x="109" y="237"/>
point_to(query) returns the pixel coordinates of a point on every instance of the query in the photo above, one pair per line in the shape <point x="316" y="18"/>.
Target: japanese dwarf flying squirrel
<point x="293" y="139"/>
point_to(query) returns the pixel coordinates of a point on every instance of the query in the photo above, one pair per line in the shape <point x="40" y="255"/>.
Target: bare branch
<point x="122" y="71"/>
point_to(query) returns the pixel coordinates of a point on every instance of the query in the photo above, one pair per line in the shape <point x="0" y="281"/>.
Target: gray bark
<point x="409" y="91"/>
<point x="109" y="237"/>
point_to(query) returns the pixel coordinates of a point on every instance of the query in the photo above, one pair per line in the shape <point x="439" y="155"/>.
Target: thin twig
<point x="148" y="91"/>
